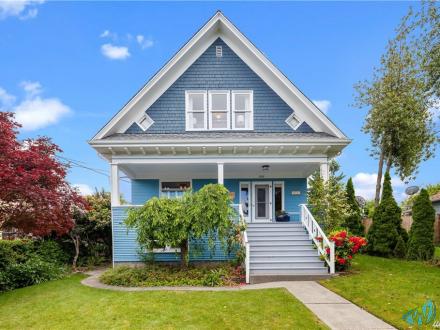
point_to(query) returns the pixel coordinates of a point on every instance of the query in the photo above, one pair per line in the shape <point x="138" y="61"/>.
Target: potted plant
<point x="282" y="216"/>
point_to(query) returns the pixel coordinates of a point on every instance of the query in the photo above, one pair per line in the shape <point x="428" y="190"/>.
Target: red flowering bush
<point x="346" y="246"/>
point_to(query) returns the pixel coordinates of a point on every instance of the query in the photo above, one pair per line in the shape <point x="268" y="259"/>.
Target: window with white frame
<point x="213" y="110"/>
<point x="242" y="110"/>
<point x="195" y="108"/>
<point x="218" y="102"/>
<point x="173" y="189"/>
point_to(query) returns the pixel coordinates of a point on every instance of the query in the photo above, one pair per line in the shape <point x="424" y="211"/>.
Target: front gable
<point x="228" y="72"/>
<point x="161" y="100"/>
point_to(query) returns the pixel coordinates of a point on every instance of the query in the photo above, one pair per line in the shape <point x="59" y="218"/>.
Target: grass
<point x="388" y="287"/>
<point x="437" y="252"/>
<point x="66" y="304"/>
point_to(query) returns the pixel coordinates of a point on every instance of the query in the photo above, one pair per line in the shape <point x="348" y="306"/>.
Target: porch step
<point x="261" y="241"/>
<point x="295" y="224"/>
<point x="284" y="257"/>
<point x="255" y="279"/>
<point x="280" y="263"/>
<point x="280" y="234"/>
<point x="270" y="248"/>
<point x="291" y="229"/>
<point x="289" y="271"/>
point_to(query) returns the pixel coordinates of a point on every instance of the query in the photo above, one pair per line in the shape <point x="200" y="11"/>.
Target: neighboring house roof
<point x="219" y="27"/>
<point x="435" y="198"/>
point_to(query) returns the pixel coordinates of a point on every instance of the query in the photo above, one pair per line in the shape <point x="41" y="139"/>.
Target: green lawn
<point x="66" y="304"/>
<point x="437" y="252"/>
<point x="388" y="288"/>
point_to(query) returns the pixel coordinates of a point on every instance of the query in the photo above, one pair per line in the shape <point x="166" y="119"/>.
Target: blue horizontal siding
<point x="227" y="72"/>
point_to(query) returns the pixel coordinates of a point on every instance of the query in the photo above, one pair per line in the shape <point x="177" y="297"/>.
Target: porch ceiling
<point x="209" y="170"/>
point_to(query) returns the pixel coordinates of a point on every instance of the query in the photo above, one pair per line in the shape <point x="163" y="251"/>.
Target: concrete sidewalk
<point x="335" y="311"/>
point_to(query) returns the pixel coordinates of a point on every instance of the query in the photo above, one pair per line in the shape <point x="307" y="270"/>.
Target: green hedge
<point x="28" y="262"/>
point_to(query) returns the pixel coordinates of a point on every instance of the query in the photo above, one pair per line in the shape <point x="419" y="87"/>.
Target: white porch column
<point x="114" y="180"/>
<point x="324" y="171"/>
<point x="220" y="173"/>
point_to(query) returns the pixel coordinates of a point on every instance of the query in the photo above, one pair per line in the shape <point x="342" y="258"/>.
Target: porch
<point x="263" y="188"/>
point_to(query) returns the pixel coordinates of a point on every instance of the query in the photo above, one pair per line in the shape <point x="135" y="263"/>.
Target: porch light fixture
<point x="265" y="167"/>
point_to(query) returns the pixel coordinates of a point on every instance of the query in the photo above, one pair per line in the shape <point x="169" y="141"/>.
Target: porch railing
<point x="319" y="238"/>
<point x="244" y="240"/>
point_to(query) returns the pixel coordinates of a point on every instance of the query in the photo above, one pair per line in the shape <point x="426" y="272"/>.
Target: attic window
<point x="294" y="121"/>
<point x="145" y="122"/>
<point x="218" y="51"/>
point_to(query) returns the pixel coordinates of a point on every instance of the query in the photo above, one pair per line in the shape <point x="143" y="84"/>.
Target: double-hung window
<point x="195" y="110"/>
<point x="218" y="102"/>
<point x="242" y="110"/>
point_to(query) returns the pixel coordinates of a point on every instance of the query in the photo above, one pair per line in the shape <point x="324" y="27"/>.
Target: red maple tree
<point x="34" y="195"/>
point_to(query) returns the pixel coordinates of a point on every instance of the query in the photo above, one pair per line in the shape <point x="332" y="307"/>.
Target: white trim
<point x="294" y="115"/>
<point x="283" y="193"/>
<point x="188" y="111"/>
<point x="114" y="181"/>
<point x="207" y="160"/>
<point x="220" y="173"/>
<point x="227" y="110"/>
<point x="251" y="109"/>
<point x="219" y="26"/>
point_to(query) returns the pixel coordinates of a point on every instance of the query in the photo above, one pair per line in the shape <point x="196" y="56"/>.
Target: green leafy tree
<point x="327" y="200"/>
<point x="353" y="222"/>
<point x="421" y="236"/>
<point x="386" y="229"/>
<point x="399" y="120"/>
<point x="91" y="234"/>
<point x="173" y="222"/>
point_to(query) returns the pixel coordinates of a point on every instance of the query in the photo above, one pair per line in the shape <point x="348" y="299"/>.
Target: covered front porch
<point x="265" y="188"/>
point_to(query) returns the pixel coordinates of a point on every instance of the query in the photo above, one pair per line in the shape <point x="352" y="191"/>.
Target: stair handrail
<point x="244" y="241"/>
<point x="318" y="236"/>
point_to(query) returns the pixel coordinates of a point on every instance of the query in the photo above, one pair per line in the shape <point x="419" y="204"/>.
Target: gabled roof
<point x="219" y="27"/>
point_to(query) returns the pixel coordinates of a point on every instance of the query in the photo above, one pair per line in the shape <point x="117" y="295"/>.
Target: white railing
<point x="244" y="241"/>
<point x="319" y="238"/>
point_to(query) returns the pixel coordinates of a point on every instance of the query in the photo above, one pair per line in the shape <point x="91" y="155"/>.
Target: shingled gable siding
<point x="227" y="72"/>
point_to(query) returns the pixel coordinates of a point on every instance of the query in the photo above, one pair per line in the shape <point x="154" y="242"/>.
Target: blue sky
<point x="66" y="68"/>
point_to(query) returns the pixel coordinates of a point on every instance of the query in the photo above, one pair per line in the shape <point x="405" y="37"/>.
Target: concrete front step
<point x="286" y="258"/>
<point x="290" y="271"/>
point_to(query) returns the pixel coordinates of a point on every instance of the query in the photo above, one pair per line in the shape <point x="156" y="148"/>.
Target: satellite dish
<point x="361" y="201"/>
<point x="412" y="190"/>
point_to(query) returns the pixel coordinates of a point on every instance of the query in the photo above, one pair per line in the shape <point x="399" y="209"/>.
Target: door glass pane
<point x="244" y="198"/>
<point x="261" y="194"/>
<point x="196" y="102"/>
<point x="278" y="199"/>
<point x="219" y="120"/>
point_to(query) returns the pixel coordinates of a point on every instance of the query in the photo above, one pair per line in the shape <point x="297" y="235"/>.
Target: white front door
<point x="261" y="201"/>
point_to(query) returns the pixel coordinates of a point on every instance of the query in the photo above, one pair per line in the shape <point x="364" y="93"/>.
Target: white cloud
<point x="38" y="112"/>
<point x="83" y="189"/>
<point x="365" y="185"/>
<point x="34" y="112"/>
<point x="6" y="99"/>
<point x="23" y="9"/>
<point x="31" y="88"/>
<point x="144" y="42"/>
<point x="324" y="105"/>
<point x="115" y="52"/>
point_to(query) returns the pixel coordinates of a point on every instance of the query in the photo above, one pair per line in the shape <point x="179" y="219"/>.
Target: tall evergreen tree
<point x="384" y="233"/>
<point x="353" y="221"/>
<point x="421" y="235"/>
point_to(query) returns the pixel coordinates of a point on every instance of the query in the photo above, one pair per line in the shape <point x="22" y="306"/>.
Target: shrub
<point x="353" y="222"/>
<point x="386" y="229"/>
<point x="346" y="247"/>
<point x="421" y="236"/>
<point x="27" y="262"/>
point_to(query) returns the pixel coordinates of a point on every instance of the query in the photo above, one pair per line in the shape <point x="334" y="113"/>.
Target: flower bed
<point x="175" y="275"/>
<point x="346" y="246"/>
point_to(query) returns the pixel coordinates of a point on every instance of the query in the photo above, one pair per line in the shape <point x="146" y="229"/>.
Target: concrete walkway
<point x="330" y="308"/>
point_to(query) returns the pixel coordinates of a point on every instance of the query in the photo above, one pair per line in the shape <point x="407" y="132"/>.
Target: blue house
<point x="220" y="112"/>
